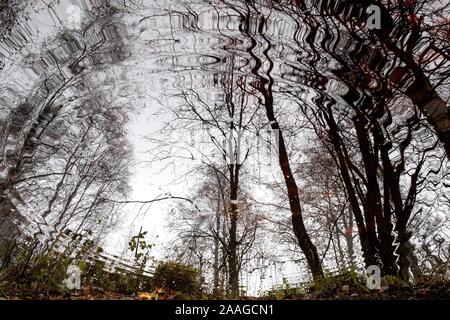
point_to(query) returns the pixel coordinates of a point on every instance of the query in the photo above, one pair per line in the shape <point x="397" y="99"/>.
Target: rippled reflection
<point x="375" y="100"/>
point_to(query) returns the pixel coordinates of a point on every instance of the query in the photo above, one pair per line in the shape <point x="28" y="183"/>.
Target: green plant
<point x="46" y="273"/>
<point x="140" y="248"/>
<point x="342" y="283"/>
<point x="286" y="291"/>
<point x="390" y="281"/>
<point x="141" y="252"/>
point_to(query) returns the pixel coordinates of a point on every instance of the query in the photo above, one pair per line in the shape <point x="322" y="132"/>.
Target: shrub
<point x="36" y="274"/>
<point x="345" y="282"/>
<point x="178" y="277"/>
<point x="285" y="292"/>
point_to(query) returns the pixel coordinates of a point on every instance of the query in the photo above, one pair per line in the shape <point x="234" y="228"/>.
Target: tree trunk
<point x="302" y="236"/>
<point x="373" y="208"/>
<point x="264" y="85"/>
<point x="233" y="280"/>
<point x="368" y="245"/>
<point x="216" y="251"/>
<point x="348" y="235"/>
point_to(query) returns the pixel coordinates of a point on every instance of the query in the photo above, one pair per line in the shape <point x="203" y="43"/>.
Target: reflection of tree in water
<point x="355" y="176"/>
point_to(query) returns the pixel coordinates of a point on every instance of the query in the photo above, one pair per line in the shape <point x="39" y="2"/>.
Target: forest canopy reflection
<point x="308" y="145"/>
